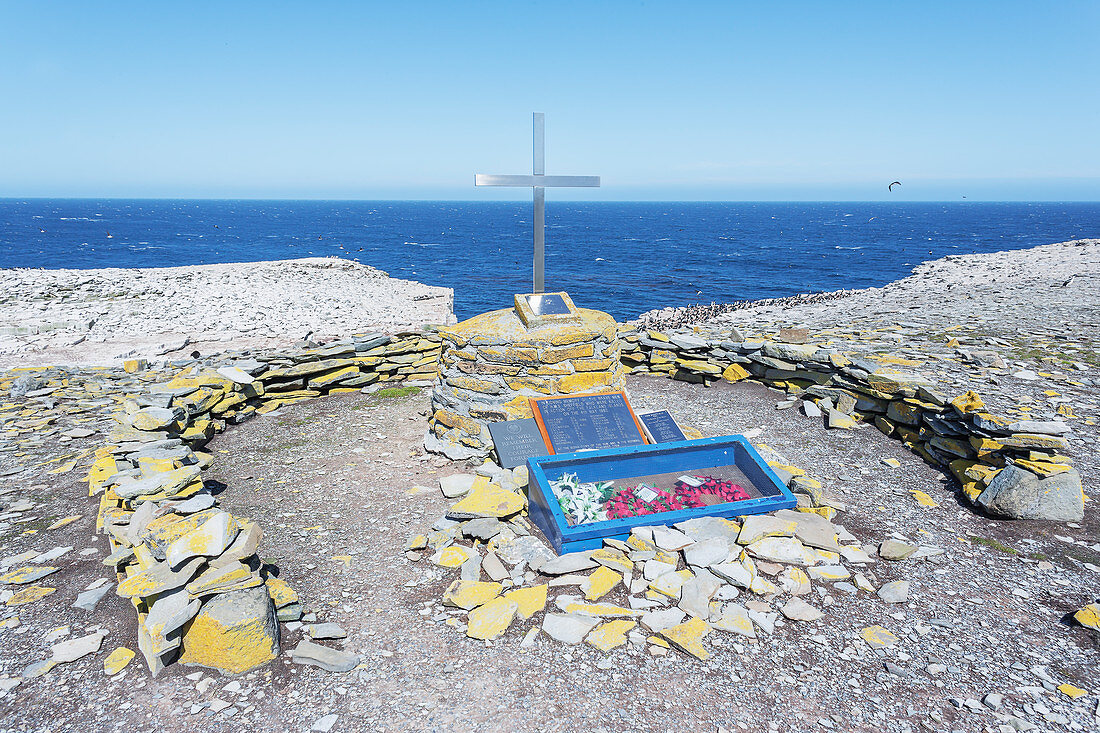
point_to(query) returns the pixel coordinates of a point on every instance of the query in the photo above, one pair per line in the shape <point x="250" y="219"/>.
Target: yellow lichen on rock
<point x="487" y="500"/>
<point x="26" y="574"/>
<point x="922" y="498"/>
<point x="210" y="538"/>
<point x="580" y="351"/>
<point x="879" y="637"/>
<point x="1089" y="616"/>
<point x="968" y="402"/>
<point x="688" y="637"/>
<point x="593" y="365"/>
<point x="491" y="620"/>
<point x="30" y="595"/>
<point x="233" y="632"/>
<point x="670" y="584"/>
<point x="467" y="594"/>
<point x="1072" y="691"/>
<point x="734" y="373"/>
<point x="460" y="422"/>
<point x="1043" y="469"/>
<point x="529" y="601"/>
<point x="518" y="408"/>
<point x="610" y="634"/>
<point x="117" y="660"/>
<point x="166" y="529"/>
<point x="613" y="559"/>
<point x="600" y="583"/>
<point x="451" y="557"/>
<point x="281" y="593"/>
<point x="602" y="610"/>
<point x="219" y="579"/>
<point x="584" y="382"/>
<point x="474" y="384"/>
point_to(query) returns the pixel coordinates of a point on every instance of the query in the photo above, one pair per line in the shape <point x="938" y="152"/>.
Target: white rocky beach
<point x="102" y="316"/>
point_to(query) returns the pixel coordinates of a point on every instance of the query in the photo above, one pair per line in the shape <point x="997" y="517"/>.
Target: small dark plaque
<point x="588" y="422"/>
<point x="516" y="441"/>
<point x="547" y="304"/>
<point x="661" y="427"/>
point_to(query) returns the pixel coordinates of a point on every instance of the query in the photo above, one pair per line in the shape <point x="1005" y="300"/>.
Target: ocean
<point x="624" y="258"/>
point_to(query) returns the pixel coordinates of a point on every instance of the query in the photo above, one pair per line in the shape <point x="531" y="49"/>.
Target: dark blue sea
<point x="624" y="258"/>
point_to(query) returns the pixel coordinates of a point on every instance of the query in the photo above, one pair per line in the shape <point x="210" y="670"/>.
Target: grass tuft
<point x="391" y="392"/>
<point x="993" y="544"/>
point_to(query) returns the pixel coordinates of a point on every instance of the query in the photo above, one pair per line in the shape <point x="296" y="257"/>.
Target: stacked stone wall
<point x="191" y="569"/>
<point x="958" y="435"/>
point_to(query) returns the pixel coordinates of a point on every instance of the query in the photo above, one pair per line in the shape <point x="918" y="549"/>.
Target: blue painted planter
<point x="617" y="463"/>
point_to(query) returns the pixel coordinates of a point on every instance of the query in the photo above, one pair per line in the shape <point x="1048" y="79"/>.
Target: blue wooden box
<point x="618" y="463"/>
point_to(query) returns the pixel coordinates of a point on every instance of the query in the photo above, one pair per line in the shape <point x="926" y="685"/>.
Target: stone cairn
<point x="491" y="365"/>
<point x="190" y="568"/>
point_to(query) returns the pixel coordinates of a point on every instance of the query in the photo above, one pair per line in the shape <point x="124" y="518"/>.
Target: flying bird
<point x="891" y="186"/>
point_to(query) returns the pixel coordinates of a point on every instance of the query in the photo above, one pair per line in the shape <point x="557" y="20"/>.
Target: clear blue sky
<point x="665" y="100"/>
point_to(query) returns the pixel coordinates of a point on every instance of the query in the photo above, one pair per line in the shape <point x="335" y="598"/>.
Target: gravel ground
<point x="333" y="481"/>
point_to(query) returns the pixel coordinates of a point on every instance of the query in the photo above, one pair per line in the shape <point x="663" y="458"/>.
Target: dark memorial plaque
<point x="661" y="427"/>
<point x="587" y="422"/>
<point x="548" y="304"/>
<point x="516" y="441"/>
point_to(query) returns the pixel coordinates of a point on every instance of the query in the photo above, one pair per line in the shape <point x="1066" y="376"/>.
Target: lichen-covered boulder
<point x="233" y="632"/>
<point x="1019" y="494"/>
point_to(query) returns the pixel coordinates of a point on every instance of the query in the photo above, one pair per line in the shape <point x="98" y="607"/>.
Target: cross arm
<point x="537" y="181"/>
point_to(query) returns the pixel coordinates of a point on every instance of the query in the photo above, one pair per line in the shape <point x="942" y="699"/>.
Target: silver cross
<point x="539" y="181"/>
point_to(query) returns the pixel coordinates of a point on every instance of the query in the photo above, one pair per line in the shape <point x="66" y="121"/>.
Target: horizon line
<point x="557" y="200"/>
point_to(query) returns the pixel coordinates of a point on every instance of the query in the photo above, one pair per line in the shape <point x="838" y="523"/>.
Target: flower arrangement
<point x="627" y="502"/>
<point x="582" y="502"/>
<point x="600" y="500"/>
<point x="711" y="491"/>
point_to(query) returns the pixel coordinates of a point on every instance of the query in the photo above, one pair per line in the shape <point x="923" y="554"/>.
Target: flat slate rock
<point x="485" y="528"/>
<point x="326" y="631"/>
<point x="457" y="485"/>
<point x="702" y="528"/>
<point x="89" y="599"/>
<point x="569" y="563"/>
<point x="324" y="657"/>
<point x="568" y="628"/>
<point x="73" y="649"/>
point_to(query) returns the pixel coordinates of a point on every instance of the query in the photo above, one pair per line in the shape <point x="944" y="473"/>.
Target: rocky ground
<point x="984" y="639"/>
<point x="1012" y="325"/>
<point x="102" y="316"/>
<point x="334" y="483"/>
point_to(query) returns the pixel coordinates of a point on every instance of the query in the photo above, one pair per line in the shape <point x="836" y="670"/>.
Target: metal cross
<point x="539" y="181"/>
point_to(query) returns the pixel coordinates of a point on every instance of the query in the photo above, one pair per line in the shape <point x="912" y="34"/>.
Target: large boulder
<point x="233" y="632"/>
<point x="1019" y="494"/>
